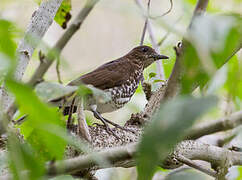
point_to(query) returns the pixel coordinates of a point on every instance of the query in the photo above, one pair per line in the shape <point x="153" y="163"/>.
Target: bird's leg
<point x="98" y="116"/>
<point x="105" y="121"/>
<point x="118" y="126"/>
<point x="70" y="120"/>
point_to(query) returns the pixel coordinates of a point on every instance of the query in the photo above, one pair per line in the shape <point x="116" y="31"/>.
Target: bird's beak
<point x="159" y="56"/>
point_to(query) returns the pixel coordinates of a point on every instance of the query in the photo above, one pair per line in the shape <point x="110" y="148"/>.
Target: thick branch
<point x="222" y="124"/>
<point x="193" y="150"/>
<point x="113" y="155"/>
<point x="197" y="166"/>
<point x="39" y="24"/>
<point x="46" y="61"/>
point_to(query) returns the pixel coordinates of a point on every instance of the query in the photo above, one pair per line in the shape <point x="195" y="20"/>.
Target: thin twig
<point x="61" y="43"/>
<point x="167" y="33"/>
<point x="49" y="58"/>
<point x="159" y="65"/>
<point x="58" y="70"/>
<point x="160" y="69"/>
<point x="145" y="25"/>
<point x="167" y="12"/>
<point x="38" y="26"/>
<point x="197" y="166"/>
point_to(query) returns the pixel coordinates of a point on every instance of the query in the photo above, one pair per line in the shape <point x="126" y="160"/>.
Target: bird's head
<point x="145" y="55"/>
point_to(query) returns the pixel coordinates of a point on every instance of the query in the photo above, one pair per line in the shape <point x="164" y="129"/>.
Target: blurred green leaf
<point x="63" y="15"/>
<point x="166" y="129"/>
<point x="47" y="144"/>
<point x="169" y="63"/>
<point x="99" y="95"/>
<point x="214" y="36"/>
<point x="7" y="44"/>
<point x="234" y="79"/>
<point x="194" y="74"/>
<point x="22" y="158"/>
<point x="217" y="81"/>
<point x="7" y="48"/>
<point x="83" y="90"/>
<point x="48" y="90"/>
<point x="240" y="173"/>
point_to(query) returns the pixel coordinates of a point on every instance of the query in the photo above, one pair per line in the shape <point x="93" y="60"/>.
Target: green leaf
<point x="22" y="158"/>
<point x="166" y="129"/>
<point x="7" y="48"/>
<point x="7" y="45"/>
<point x="63" y="15"/>
<point x="234" y="79"/>
<point x="158" y="80"/>
<point x="41" y="119"/>
<point x="100" y="96"/>
<point x="169" y="64"/>
<point x="152" y="74"/>
<point x="48" y="90"/>
<point x="213" y="41"/>
<point x="194" y="74"/>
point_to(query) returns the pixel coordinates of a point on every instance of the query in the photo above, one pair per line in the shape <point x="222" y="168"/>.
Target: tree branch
<point x="39" y="24"/>
<point x="173" y="82"/>
<point x="123" y="157"/>
<point x="46" y="61"/>
<point x="222" y="124"/>
<point x="197" y="166"/>
<point x="61" y="43"/>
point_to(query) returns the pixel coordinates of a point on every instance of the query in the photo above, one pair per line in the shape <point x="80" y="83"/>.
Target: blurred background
<point x="111" y="30"/>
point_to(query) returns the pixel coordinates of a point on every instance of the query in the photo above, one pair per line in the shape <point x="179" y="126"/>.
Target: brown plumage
<point x="115" y="73"/>
<point x="120" y="77"/>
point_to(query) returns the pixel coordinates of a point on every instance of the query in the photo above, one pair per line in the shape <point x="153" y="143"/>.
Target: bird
<point x="120" y="78"/>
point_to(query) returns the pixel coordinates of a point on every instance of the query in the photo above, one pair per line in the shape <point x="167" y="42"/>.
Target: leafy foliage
<point x="7" y="47"/>
<point x="212" y="38"/>
<point x="234" y="80"/>
<point x="166" y="129"/>
<point x="63" y="14"/>
<point x="38" y="129"/>
<point x="22" y="158"/>
<point x="48" y="90"/>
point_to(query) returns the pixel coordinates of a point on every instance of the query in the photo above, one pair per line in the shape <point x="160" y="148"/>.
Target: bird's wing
<point x="111" y="74"/>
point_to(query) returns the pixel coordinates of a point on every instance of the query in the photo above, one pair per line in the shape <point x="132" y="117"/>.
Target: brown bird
<point x="120" y="78"/>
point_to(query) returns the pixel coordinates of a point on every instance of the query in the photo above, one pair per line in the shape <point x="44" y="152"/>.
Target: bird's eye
<point x="144" y="49"/>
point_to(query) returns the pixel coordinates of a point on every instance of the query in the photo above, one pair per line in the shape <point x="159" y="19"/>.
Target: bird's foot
<point x="118" y="126"/>
<point x="108" y="129"/>
<point x="106" y="122"/>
